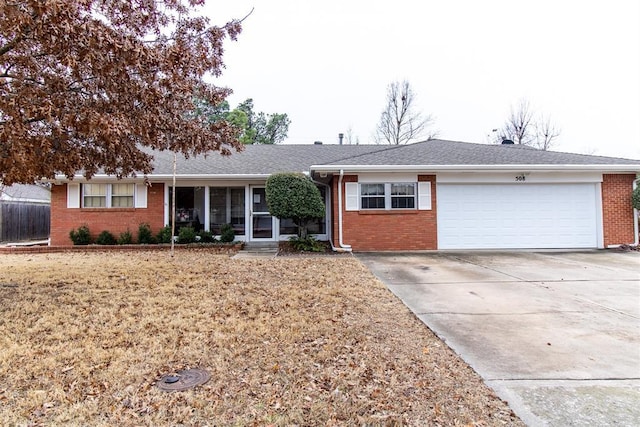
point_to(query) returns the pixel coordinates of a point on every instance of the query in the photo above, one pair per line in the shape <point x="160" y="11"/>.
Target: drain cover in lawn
<point x="183" y="380"/>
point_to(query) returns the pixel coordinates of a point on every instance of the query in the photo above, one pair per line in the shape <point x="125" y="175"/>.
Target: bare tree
<point x="351" y="138"/>
<point x="546" y="133"/>
<point x="525" y="128"/>
<point x="519" y="127"/>
<point x="400" y="123"/>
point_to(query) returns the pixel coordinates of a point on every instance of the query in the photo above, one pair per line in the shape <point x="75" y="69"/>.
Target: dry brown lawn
<point x="289" y="341"/>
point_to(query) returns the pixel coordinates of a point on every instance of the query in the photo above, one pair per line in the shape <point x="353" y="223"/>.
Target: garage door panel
<point x="491" y="216"/>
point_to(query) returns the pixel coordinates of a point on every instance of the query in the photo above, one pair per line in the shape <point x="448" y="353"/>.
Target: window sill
<point x="107" y="209"/>
<point x="388" y="212"/>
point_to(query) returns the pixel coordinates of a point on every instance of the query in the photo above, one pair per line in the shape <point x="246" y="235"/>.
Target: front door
<point x="262" y="223"/>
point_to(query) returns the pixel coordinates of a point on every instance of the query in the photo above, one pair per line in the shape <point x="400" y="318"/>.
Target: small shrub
<point x="186" y="235"/>
<point x="227" y="235"/>
<point x="306" y="244"/>
<point x="164" y="235"/>
<point x="82" y="236"/>
<point x="126" y="238"/>
<point x="145" y="237"/>
<point x="206" y="237"/>
<point x="106" y="238"/>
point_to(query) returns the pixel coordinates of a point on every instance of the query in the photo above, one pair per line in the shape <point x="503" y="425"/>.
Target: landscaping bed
<point x="85" y="337"/>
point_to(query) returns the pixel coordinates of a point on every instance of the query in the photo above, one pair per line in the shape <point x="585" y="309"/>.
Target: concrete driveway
<point x="556" y="334"/>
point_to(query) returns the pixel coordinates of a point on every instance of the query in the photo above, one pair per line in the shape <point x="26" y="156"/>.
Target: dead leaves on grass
<point x="288" y="341"/>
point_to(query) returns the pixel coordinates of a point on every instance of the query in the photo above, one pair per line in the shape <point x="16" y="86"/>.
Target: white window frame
<point x="109" y="197"/>
<point x="388" y="196"/>
<point x="113" y="194"/>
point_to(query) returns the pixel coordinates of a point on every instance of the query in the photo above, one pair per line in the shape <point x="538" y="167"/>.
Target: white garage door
<point x="479" y="216"/>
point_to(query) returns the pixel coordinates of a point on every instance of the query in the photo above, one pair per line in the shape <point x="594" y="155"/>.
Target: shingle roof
<point x="260" y="159"/>
<point x="437" y="152"/>
<point x="269" y="159"/>
<point x="24" y="192"/>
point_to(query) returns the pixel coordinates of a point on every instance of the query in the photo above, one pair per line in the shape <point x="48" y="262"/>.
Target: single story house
<point x="432" y="195"/>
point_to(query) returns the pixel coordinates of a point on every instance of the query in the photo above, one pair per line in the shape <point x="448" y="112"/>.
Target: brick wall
<point x="115" y="220"/>
<point x="617" y="211"/>
<point x="386" y="230"/>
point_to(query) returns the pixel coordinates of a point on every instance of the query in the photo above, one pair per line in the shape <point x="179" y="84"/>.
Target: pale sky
<point x="327" y="65"/>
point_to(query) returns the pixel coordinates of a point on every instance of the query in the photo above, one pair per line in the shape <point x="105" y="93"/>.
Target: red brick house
<point x="431" y="195"/>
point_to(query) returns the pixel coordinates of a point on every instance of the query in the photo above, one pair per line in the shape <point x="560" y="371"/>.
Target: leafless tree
<point x="351" y="138"/>
<point x="519" y="125"/>
<point x="546" y="133"/>
<point x="524" y="127"/>
<point x="400" y="123"/>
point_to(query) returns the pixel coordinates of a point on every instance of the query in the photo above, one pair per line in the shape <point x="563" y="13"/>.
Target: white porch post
<point x="207" y="210"/>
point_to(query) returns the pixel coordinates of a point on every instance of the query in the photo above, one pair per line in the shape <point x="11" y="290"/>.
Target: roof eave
<point x="476" y="168"/>
<point x="164" y="177"/>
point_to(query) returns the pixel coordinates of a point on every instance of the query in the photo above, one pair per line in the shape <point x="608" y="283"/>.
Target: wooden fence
<point x="24" y="221"/>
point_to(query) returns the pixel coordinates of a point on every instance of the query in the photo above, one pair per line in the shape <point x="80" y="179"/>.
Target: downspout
<point x="343" y="247"/>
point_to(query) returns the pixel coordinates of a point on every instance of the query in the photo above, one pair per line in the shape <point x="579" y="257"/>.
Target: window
<point x="388" y="196"/>
<point x="403" y="196"/>
<point x="226" y="206"/>
<point x="372" y="196"/>
<point x="122" y="195"/>
<point x="94" y="195"/>
<point x="108" y="195"/>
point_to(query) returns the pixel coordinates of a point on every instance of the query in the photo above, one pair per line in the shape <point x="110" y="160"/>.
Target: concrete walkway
<point x="557" y="335"/>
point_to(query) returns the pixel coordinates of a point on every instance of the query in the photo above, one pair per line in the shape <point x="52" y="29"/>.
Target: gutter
<point x="343" y="247"/>
<point x="162" y="177"/>
<point x="630" y="168"/>
<point x="329" y="219"/>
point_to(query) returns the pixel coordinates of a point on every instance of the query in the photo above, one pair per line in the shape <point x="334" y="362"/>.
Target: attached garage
<point x="519" y="215"/>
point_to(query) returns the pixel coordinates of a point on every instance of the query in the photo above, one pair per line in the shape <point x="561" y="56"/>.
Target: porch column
<point x="207" y="210"/>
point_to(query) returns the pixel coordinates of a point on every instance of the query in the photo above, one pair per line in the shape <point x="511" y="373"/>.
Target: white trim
<point x="523" y="177"/>
<point x="634" y="168"/>
<point x="167" y="214"/>
<point x="73" y="195"/>
<point x="163" y="177"/>
<point x="636" y="217"/>
<point x="275" y="224"/>
<point x="207" y="209"/>
<point x="599" y="219"/>
<point x="395" y="178"/>
<point x="351" y="196"/>
<point x="424" y="195"/>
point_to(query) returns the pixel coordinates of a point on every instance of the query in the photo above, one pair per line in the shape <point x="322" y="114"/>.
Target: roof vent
<point x="317" y="142"/>
<point x="507" y="142"/>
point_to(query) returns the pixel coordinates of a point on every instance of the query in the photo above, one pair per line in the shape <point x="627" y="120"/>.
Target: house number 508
<point x="520" y="178"/>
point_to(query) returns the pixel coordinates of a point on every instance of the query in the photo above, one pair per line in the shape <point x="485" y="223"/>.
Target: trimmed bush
<point x="106" y="238"/>
<point x="186" y="235"/>
<point x="306" y="244"/>
<point x="164" y="235"/>
<point x="82" y="236"/>
<point x="295" y="196"/>
<point x="206" y="237"/>
<point x="227" y="235"/>
<point x="145" y="237"/>
<point x="126" y="238"/>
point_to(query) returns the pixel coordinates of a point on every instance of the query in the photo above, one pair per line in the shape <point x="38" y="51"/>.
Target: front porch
<point x="209" y="205"/>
